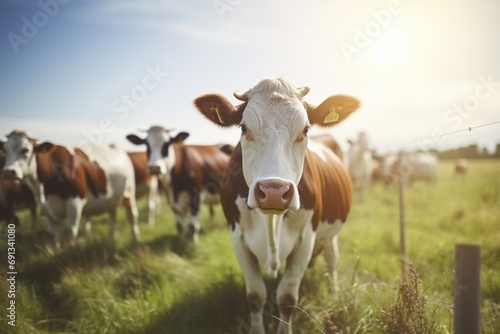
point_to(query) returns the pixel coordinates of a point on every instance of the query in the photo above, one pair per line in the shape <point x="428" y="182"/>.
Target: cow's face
<point x="20" y="152"/>
<point x="274" y="121"/>
<point x="158" y="142"/>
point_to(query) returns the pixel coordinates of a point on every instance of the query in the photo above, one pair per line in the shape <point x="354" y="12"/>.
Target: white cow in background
<point x="412" y="167"/>
<point x="422" y="166"/>
<point x="360" y="164"/>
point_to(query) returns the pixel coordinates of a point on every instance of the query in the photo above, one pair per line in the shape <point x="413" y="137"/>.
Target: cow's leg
<point x="33" y="217"/>
<point x="87" y="225"/>
<point x="331" y="255"/>
<point x="194" y="223"/>
<point x="331" y="251"/>
<point x="255" y="286"/>
<point x="287" y="295"/>
<point x="54" y="231"/>
<point x="132" y="216"/>
<point x="179" y="221"/>
<point x="152" y="200"/>
<point x="112" y="223"/>
<point x="211" y="210"/>
<point x="74" y="207"/>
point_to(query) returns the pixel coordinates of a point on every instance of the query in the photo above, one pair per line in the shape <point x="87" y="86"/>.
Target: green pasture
<point x="165" y="285"/>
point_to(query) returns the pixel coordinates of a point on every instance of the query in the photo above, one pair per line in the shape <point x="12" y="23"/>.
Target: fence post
<point x="467" y="288"/>
<point x="402" y="222"/>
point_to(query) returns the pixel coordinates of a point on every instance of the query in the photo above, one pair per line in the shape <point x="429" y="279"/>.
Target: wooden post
<point x="402" y="223"/>
<point x="467" y="288"/>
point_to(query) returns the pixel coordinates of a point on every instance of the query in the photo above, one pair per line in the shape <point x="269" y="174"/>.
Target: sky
<point x="75" y="72"/>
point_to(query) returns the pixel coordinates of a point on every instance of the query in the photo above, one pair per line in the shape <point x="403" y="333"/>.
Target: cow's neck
<point x="32" y="180"/>
<point x="273" y="226"/>
<point x="170" y="161"/>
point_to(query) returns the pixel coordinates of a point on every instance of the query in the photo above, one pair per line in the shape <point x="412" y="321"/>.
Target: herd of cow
<point x="285" y="195"/>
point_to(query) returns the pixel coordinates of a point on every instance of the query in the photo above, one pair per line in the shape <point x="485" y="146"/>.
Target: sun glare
<point x="391" y="48"/>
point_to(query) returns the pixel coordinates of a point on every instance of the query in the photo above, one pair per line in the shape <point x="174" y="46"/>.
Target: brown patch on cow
<point x="234" y="186"/>
<point x="331" y="143"/>
<point x="254" y="302"/>
<point x="197" y="169"/>
<point x="326" y="188"/>
<point x="15" y="195"/>
<point x="287" y="306"/>
<point x="219" y="110"/>
<point x="70" y="175"/>
<point x="140" y="163"/>
<point x="126" y="202"/>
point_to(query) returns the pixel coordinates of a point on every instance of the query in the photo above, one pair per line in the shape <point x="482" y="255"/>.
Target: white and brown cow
<point x="360" y="164"/>
<point x="147" y="184"/>
<point x="192" y="171"/>
<point x="290" y="196"/>
<point x="16" y="195"/>
<point x="71" y="182"/>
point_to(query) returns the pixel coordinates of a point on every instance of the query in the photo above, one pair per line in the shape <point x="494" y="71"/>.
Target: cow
<point x="147" y="184"/>
<point x="418" y="166"/>
<point x="192" y="171"/>
<point x="330" y="142"/>
<point x="461" y="167"/>
<point x="287" y="197"/>
<point x="360" y="164"/>
<point x="16" y="195"/>
<point x="69" y="183"/>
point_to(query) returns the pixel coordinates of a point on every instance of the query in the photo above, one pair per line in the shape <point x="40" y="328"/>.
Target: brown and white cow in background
<point x="15" y="195"/>
<point x="147" y="184"/>
<point x="192" y="171"/>
<point x="461" y="167"/>
<point x="360" y="164"/>
<point x="71" y="182"/>
<point x="417" y="166"/>
<point x="290" y="196"/>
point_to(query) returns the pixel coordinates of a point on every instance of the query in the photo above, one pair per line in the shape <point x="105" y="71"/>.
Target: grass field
<point x="166" y="286"/>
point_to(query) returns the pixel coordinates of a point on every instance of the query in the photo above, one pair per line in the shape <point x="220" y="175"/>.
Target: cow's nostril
<point x="259" y="194"/>
<point x="155" y="170"/>
<point x="287" y="196"/>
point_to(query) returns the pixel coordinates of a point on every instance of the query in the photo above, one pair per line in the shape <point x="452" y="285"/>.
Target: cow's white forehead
<point x="274" y="104"/>
<point x="157" y="135"/>
<point x="275" y="88"/>
<point x="17" y="140"/>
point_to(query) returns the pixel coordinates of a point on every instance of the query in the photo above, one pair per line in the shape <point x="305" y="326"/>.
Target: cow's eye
<point x="164" y="149"/>
<point x="306" y="130"/>
<point x="25" y="151"/>
<point x="243" y="129"/>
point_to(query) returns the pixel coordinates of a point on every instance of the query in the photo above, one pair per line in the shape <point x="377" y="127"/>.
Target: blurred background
<point x="94" y="71"/>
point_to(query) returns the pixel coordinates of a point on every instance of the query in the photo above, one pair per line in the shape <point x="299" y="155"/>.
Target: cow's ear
<point x="333" y="110"/>
<point x="217" y="109"/>
<point x="181" y="136"/>
<point x="43" y="148"/>
<point x="1" y="146"/>
<point x="136" y="140"/>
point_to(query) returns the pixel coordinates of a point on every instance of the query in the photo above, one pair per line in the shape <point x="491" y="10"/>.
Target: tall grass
<point x="166" y="285"/>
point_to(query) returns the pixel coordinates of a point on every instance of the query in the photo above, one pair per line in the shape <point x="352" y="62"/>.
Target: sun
<point x="391" y="48"/>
